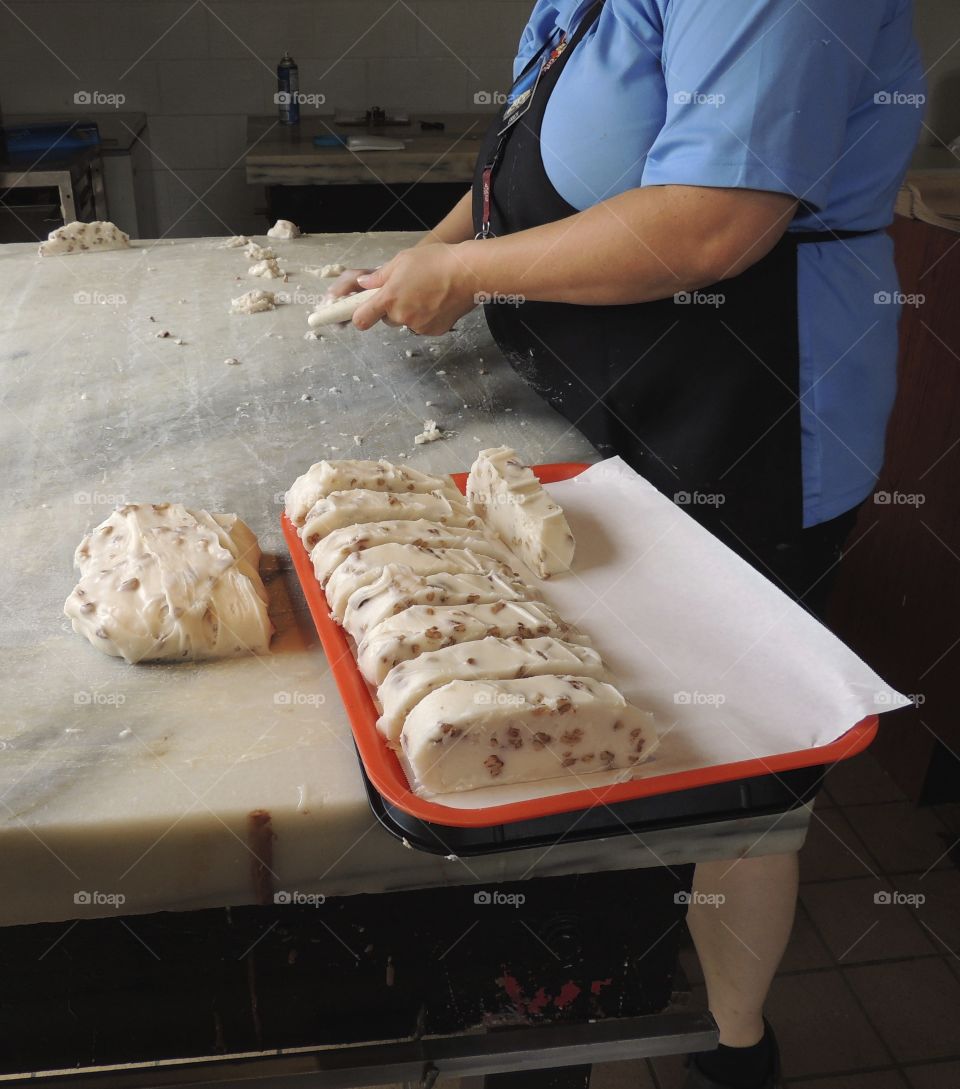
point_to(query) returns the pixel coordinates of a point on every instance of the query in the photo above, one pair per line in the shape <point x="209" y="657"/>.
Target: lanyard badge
<point x="520" y="100"/>
<point x="521" y="95"/>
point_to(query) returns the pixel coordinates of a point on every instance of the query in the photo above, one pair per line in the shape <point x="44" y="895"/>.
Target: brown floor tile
<point x="857" y="928"/>
<point x="833" y="849"/>
<point x="820" y="1026"/>
<point x="934" y="1076"/>
<point x="805" y="950"/>
<point x="950" y="815"/>
<point x="823" y="798"/>
<point x="883" y="1079"/>
<point x="915" y="1006"/>
<point x="940" y="910"/>
<point x="632" y="1075"/>
<point x="670" y="1070"/>
<point x="901" y="836"/>
<point x="860" y="780"/>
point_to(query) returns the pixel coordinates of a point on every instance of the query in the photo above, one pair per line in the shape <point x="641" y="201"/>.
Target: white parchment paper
<point x="730" y="666"/>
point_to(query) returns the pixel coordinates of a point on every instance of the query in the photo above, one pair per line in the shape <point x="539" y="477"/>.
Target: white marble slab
<point x="156" y="783"/>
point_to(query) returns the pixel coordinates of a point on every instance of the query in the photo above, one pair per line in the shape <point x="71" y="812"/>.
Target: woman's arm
<point x="640" y="245"/>
<point x="456" y="225"/>
<point x="644" y="244"/>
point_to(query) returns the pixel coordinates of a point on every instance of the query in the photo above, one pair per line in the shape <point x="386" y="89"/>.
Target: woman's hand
<point x="427" y="288"/>
<point x="345" y="284"/>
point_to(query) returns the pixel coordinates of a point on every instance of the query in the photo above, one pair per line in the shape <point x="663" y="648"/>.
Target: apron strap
<point x="807" y="237"/>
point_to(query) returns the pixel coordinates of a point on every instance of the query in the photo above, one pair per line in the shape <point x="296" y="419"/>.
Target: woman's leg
<point x="740" y="917"/>
<point x="742" y="914"/>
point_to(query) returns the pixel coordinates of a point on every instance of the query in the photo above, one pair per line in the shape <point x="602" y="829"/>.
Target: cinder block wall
<point x="937" y="24"/>
<point x="197" y="68"/>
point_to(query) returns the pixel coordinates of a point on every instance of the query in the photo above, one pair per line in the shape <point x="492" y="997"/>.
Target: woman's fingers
<point x="424" y="289"/>
<point x="346" y="283"/>
<point x="376" y="278"/>
<point x="370" y="313"/>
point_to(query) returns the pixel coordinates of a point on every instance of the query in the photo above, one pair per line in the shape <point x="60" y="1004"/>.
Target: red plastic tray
<point x="384" y="770"/>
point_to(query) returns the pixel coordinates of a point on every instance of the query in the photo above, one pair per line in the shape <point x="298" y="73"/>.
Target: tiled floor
<point x="868" y="994"/>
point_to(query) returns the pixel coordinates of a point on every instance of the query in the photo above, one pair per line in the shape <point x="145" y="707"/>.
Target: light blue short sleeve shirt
<point x="822" y="100"/>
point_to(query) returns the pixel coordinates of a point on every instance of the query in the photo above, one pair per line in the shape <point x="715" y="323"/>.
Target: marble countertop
<point x="141" y="788"/>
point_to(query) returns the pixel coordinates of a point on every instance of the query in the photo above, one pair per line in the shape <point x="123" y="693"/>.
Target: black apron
<point x="701" y="399"/>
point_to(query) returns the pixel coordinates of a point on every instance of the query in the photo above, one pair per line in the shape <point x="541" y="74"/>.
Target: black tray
<point x="760" y="795"/>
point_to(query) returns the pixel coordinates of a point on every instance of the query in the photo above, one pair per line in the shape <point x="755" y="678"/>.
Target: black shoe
<point x="696" y="1079"/>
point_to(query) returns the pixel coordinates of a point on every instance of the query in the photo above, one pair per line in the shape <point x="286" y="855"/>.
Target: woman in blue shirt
<point x="691" y="197"/>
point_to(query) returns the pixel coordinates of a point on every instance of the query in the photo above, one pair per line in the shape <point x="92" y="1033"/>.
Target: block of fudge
<point x="365" y="567"/>
<point x="418" y="628"/>
<point x="349" y="508"/>
<point x="512" y="502"/>
<point x="347" y="474"/>
<point x="397" y="589"/>
<point x="333" y="549"/>
<point x="487" y="659"/>
<point x="470" y="734"/>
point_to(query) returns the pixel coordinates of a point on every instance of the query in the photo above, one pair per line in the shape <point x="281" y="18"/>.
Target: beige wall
<point x="938" y="30"/>
<point x="197" y="75"/>
<point x="198" y="68"/>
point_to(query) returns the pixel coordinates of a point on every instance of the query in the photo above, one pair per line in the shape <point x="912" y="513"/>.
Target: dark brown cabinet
<point x="897" y="599"/>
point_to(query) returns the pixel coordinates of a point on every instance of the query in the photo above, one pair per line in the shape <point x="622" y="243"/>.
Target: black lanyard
<point x="514" y="111"/>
